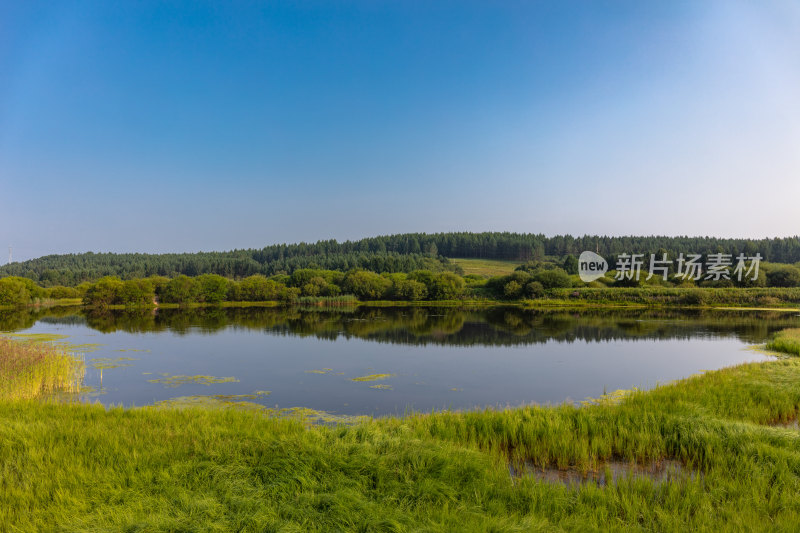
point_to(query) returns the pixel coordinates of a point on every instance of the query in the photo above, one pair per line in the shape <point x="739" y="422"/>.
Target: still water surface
<point x="434" y="358"/>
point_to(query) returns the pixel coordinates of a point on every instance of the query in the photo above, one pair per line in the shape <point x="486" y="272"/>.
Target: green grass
<point x="329" y="301"/>
<point x="770" y="297"/>
<point x="74" y="467"/>
<point x="486" y="267"/>
<point x="787" y="341"/>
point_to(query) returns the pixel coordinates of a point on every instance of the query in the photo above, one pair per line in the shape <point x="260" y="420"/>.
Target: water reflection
<point x="500" y="325"/>
<point x="428" y="358"/>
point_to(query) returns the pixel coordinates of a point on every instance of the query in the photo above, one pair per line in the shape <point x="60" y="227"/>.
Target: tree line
<point x="389" y="253"/>
<point x="537" y="279"/>
<point x="73" y="269"/>
<point x="310" y="283"/>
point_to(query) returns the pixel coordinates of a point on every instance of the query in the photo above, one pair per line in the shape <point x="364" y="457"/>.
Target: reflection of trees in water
<point x="499" y="325"/>
<point x="24" y="318"/>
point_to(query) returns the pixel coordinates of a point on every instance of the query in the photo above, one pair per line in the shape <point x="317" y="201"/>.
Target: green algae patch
<point x="104" y="363"/>
<point x="763" y="349"/>
<point x="216" y="401"/>
<point x="206" y="402"/>
<point x="55" y="339"/>
<point x="82" y="348"/>
<point x="240" y="397"/>
<point x="323" y="371"/>
<point x="381" y="386"/>
<point x="372" y="377"/>
<point x="242" y="402"/>
<point x="610" y="398"/>
<point x="90" y="391"/>
<point x="36" y="337"/>
<point x="177" y="380"/>
<point x="316" y="417"/>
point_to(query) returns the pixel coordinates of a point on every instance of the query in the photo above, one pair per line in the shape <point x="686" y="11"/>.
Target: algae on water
<point x="37" y="337"/>
<point x="177" y="380"/>
<point x="372" y="377"/>
<point x="104" y="363"/>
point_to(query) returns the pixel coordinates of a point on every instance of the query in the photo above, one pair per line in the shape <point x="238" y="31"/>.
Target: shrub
<point x="555" y="278"/>
<point x="783" y="276"/>
<point x="181" y="289"/>
<point x="446" y="286"/>
<point x="59" y="292"/>
<point x="534" y="289"/>
<point x="411" y="290"/>
<point x="136" y="292"/>
<point x="104" y="292"/>
<point x="512" y="289"/>
<point x="366" y="285"/>
<point x="19" y="291"/>
<point x="212" y="288"/>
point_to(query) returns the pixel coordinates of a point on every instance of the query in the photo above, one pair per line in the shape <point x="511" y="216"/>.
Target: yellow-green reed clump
<point x="31" y="370"/>
<point x="786" y="341"/>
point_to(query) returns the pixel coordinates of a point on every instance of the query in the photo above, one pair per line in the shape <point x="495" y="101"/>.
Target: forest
<point x="390" y="253"/>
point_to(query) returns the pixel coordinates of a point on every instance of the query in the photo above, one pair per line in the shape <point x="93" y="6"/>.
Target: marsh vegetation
<point x="238" y="469"/>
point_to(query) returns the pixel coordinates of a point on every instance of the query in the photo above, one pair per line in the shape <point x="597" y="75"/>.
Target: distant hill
<point x="389" y="253"/>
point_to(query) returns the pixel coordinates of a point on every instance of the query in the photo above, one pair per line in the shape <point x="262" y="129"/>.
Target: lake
<point x="386" y="361"/>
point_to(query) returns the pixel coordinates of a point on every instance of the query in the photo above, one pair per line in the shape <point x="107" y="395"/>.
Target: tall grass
<point x="655" y="296"/>
<point x="31" y="370"/>
<point x="786" y="341"/>
<point x="329" y="301"/>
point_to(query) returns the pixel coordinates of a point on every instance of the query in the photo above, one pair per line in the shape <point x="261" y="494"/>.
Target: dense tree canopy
<point x="390" y="253"/>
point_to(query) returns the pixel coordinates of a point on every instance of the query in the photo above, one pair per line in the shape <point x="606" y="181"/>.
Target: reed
<point x="30" y="370"/>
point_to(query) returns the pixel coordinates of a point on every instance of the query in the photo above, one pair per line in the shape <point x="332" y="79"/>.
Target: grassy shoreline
<point x="786" y="341"/>
<point x="772" y="299"/>
<point x="82" y="467"/>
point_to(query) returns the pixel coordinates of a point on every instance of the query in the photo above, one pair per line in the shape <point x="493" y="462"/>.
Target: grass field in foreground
<point x="486" y="267"/>
<point x="85" y="468"/>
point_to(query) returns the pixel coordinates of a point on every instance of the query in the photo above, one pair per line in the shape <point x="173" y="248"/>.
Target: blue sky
<point x="168" y="126"/>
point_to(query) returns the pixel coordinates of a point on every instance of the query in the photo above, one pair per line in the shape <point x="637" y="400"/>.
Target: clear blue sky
<point x="169" y="126"/>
